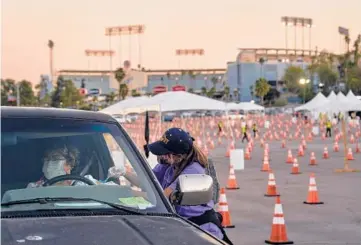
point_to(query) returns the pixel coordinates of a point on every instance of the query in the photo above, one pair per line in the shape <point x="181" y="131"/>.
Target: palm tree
<point x="119" y="76"/>
<point x="356" y="50"/>
<point x="262" y="61"/>
<point x="211" y="92"/>
<point x="348" y="40"/>
<point x="251" y="91"/>
<point x="214" y="81"/>
<point x="123" y="90"/>
<point x="235" y="94"/>
<point x="204" y="90"/>
<point x="110" y="98"/>
<point x="51" y="48"/>
<point x="262" y="88"/>
<point x="226" y="92"/>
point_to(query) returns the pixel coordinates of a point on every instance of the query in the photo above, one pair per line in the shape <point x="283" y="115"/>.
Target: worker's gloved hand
<point x="119" y="165"/>
<point x="115" y="172"/>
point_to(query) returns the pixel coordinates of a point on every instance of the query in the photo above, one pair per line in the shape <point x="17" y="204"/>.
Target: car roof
<point x="40" y="112"/>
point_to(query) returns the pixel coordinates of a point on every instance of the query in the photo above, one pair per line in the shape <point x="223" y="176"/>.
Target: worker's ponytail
<point x="199" y="156"/>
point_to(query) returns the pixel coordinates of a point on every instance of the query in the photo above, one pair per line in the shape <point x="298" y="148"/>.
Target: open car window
<point x="26" y="163"/>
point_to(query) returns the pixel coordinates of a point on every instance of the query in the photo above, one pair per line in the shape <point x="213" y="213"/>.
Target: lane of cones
<point x="293" y="138"/>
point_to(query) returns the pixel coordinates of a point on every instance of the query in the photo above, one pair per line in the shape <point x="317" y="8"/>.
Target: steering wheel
<point x="68" y="177"/>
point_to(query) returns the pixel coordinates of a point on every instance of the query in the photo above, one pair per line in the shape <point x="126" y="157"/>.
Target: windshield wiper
<point x="45" y="200"/>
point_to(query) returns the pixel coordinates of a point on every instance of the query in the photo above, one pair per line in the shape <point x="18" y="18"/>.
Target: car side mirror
<point x="193" y="189"/>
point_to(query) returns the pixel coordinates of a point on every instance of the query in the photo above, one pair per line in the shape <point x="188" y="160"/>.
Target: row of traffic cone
<point x="278" y="230"/>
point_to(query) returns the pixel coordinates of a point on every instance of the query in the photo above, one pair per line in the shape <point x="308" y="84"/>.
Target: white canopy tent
<point x="352" y="97"/>
<point x="246" y="106"/>
<point x="339" y="103"/>
<point x="175" y="101"/>
<point x="130" y="105"/>
<point x="318" y="100"/>
<point x="184" y="101"/>
<point x="331" y="96"/>
<point x="341" y="97"/>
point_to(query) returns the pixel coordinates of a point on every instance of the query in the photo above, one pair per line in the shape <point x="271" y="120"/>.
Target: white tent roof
<point x="341" y="97"/>
<point x="130" y="105"/>
<point x="168" y="101"/>
<point x="184" y="101"/>
<point x="318" y="100"/>
<point x="339" y="104"/>
<point x="352" y="97"/>
<point x="246" y="106"/>
<point x="331" y="96"/>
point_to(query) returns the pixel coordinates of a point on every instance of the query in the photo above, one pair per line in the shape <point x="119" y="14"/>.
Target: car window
<point x="34" y="151"/>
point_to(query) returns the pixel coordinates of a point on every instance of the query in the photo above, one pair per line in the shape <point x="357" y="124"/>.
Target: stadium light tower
<point x="100" y="53"/>
<point x="297" y="22"/>
<point x="129" y="30"/>
<point x="188" y="52"/>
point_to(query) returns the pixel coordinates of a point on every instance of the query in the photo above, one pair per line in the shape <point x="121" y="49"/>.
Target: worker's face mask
<point x="172" y="158"/>
<point x="55" y="168"/>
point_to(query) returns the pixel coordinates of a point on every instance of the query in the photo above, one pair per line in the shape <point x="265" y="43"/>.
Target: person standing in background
<point x="255" y="130"/>
<point x="328" y="128"/>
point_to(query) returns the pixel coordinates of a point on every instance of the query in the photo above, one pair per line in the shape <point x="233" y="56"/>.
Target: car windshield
<point x="35" y="152"/>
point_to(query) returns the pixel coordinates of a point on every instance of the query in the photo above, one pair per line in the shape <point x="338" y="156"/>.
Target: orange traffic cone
<point x="350" y="155"/>
<point x="312" y="197"/>
<point x="265" y="166"/>
<point x="325" y="153"/>
<point x="335" y="147"/>
<point x="283" y="144"/>
<point x="223" y="210"/>
<point x="232" y="182"/>
<point x="278" y="232"/>
<point x="300" y="151"/>
<point x="358" y="150"/>
<point x="289" y="157"/>
<point x="313" y="159"/>
<point x="295" y="167"/>
<point x="271" y="187"/>
<point x="247" y="154"/>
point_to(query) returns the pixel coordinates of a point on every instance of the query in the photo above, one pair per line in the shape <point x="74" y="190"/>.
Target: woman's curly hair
<point x="67" y="153"/>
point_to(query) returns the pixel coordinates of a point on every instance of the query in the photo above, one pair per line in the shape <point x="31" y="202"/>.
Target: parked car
<point x="84" y="201"/>
<point x="168" y="117"/>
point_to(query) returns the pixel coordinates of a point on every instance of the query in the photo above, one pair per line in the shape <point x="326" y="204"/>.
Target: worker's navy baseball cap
<point x="173" y="141"/>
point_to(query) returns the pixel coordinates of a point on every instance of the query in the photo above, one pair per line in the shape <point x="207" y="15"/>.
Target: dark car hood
<point x="103" y="230"/>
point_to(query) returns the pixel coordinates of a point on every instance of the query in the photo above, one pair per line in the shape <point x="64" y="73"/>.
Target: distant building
<point x="187" y="80"/>
<point x="239" y="75"/>
<point x="247" y="69"/>
<point x="101" y="81"/>
<point x="149" y="81"/>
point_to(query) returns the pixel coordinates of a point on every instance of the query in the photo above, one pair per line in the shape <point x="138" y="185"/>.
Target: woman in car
<point x="57" y="161"/>
<point x="61" y="160"/>
<point x="178" y="155"/>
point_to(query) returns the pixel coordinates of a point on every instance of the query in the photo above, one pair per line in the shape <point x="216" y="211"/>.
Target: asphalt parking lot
<point x="337" y="221"/>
